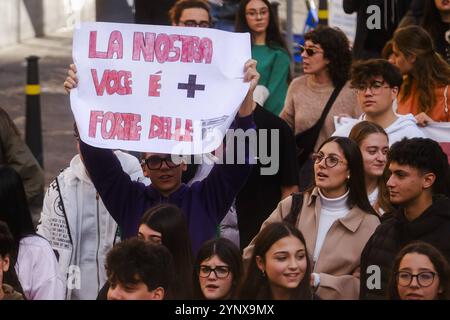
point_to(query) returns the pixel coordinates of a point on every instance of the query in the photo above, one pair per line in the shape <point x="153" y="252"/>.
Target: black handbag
<point x="306" y="140"/>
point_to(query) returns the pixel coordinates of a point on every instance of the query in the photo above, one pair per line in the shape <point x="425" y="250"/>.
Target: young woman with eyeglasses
<point x="326" y="64"/>
<point x="336" y="219"/>
<point x="269" y="49"/>
<point x="279" y="267"/>
<point x="420" y="272"/>
<point x="218" y="270"/>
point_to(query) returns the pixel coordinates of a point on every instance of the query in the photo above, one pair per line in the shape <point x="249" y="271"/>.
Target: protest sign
<point x="157" y="88"/>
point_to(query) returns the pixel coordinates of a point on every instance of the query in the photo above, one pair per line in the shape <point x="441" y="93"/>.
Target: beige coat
<point x="339" y="258"/>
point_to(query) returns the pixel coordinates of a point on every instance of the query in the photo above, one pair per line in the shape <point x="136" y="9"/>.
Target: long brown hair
<point x="429" y="70"/>
<point x="255" y="285"/>
<point x="359" y="133"/>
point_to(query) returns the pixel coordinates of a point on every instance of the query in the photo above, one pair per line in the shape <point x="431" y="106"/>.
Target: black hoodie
<point x="394" y="232"/>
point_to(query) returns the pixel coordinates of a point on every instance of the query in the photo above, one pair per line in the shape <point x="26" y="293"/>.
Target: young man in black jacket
<point x="418" y="169"/>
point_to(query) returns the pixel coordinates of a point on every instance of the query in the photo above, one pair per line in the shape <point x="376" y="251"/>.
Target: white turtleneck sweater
<point x="373" y="196"/>
<point x="331" y="210"/>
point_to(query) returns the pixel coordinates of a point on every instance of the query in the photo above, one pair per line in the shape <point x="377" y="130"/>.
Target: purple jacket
<point x="204" y="203"/>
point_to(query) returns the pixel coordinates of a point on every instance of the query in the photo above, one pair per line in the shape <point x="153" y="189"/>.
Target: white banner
<point x="157" y="88"/>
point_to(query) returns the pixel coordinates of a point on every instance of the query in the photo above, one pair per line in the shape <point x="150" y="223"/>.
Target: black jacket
<point x="369" y="42"/>
<point x="394" y="232"/>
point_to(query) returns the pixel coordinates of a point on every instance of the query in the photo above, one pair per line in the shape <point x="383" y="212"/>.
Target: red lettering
<point x="206" y="50"/>
<point x="154" y="85"/>
<point x="173" y="49"/>
<point x="166" y="48"/>
<point x="161" y="128"/>
<point x="93" y="120"/>
<point x="162" y="47"/>
<point x="93" y="53"/>
<point x="119" y="126"/>
<point x="144" y="47"/>
<point x="115" y="46"/>
<point x="113" y="81"/>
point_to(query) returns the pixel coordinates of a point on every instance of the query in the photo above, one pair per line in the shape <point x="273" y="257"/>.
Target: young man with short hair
<point x="377" y="83"/>
<point x="418" y="170"/>
<point x="139" y="270"/>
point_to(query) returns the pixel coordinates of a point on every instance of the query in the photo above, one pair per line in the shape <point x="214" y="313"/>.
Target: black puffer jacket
<point x="394" y="232"/>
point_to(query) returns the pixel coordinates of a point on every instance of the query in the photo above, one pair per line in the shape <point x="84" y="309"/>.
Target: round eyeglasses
<point x="424" y="279"/>
<point x="374" y="87"/>
<point x="221" y="272"/>
<point x="155" y="162"/>
<point x="330" y="161"/>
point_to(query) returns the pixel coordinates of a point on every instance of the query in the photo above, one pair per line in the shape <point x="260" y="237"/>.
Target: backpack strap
<point x="296" y="208"/>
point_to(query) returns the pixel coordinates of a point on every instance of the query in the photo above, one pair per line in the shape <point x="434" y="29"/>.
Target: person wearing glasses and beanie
<point x="269" y="49"/>
<point x="420" y="272"/>
<point x="377" y="83"/>
<point x="79" y="227"/>
<point x="326" y="64"/>
<point x="418" y="169"/>
<point x="335" y="216"/>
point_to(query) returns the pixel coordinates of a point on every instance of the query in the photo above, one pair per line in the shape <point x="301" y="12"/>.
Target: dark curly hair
<point x="365" y="70"/>
<point x="425" y="155"/>
<point x="133" y="261"/>
<point x="336" y="49"/>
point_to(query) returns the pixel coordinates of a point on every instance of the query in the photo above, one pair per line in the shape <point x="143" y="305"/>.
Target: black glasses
<point x="221" y="272"/>
<point x="155" y="162"/>
<point x="330" y="161"/>
<point x="309" y="51"/>
<point x="374" y="87"/>
<point x="193" y="23"/>
<point x="424" y="279"/>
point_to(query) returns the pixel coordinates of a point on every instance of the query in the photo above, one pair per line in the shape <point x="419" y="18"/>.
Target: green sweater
<point x="273" y="66"/>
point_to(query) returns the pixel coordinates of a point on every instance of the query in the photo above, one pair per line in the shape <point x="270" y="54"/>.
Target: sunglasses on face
<point x="155" y="162"/>
<point x="309" y="51"/>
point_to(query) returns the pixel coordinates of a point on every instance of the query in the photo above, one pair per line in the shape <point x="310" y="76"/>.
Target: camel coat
<point x="339" y="258"/>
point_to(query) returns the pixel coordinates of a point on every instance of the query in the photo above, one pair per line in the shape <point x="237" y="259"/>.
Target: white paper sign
<point x="157" y="88"/>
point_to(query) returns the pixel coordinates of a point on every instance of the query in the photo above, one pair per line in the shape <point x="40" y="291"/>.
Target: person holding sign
<point x="204" y="203"/>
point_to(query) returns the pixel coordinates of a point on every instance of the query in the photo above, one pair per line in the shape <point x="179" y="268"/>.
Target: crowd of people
<point x="357" y="210"/>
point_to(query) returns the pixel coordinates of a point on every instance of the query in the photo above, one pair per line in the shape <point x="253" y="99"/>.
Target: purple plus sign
<point x="191" y="86"/>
